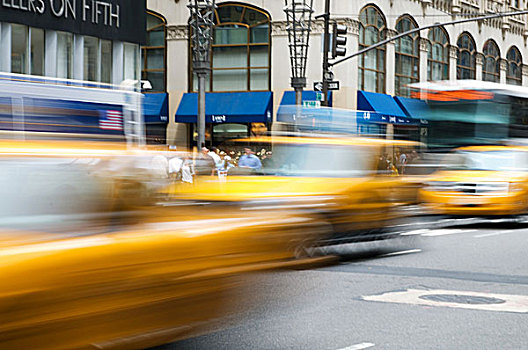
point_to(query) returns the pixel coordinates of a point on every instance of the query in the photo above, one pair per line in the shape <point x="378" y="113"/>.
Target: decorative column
<point x="524" y="75"/>
<point x="479" y="61"/>
<point x="390" y="62"/>
<point x="424" y="52"/>
<point x="177" y="81"/>
<point x="453" y="56"/>
<point x="503" y="70"/>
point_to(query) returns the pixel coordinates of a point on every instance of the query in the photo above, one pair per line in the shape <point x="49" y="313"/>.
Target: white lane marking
<point x="415" y="232"/>
<point x="511" y="303"/>
<point x="443" y="232"/>
<point x="358" y="346"/>
<point x="495" y="233"/>
<point x="402" y="252"/>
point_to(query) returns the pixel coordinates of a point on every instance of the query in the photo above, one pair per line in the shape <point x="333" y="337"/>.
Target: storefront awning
<point x="380" y="108"/>
<point x="414" y="108"/>
<point x="155" y="108"/>
<point x="228" y="107"/>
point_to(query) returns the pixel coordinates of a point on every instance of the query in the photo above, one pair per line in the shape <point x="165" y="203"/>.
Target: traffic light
<point x="339" y="40"/>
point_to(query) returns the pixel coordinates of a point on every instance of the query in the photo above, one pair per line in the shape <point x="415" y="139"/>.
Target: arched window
<point x="514" y="73"/>
<point x="372" y="26"/>
<point x="491" y="68"/>
<point x="438" y="57"/>
<point x="153" y="52"/>
<point x="466" y="62"/>
<point x="240" y="49"/>
<point x="407" y="56"/>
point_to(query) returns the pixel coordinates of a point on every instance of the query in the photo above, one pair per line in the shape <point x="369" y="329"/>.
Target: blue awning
<point x="155" y="108"/>
<point x="380" y="108"/>
<point x="414" y="108"/>
<point x="228" y="107"/>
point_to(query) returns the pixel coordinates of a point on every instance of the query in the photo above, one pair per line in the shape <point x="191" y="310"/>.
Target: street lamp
<point x="201" y="25"/>
<point x="298" y="26"/>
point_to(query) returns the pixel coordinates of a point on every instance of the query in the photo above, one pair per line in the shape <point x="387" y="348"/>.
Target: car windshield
<point x="488" y="160"/>
<point x="319" y="160"/>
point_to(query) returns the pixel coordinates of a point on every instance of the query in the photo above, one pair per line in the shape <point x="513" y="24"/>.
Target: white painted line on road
<point x="503" y="302"/>
<point x="494" y="233"/>
<point x="415" y="232"/>
<point x="358" y="346"/>
<point x="444" y="232"/>
<point x="402" y="252"/>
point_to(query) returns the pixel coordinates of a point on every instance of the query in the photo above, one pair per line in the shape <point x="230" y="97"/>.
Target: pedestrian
<point x="249" y="160"/>
<point x="402" y="161"/>
<point x="205" y="164"/>
<point x="216" y="159"/>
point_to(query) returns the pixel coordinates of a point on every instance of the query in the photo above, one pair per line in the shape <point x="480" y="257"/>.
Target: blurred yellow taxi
<point x="78" y="271"/>
<point x="344" y="182"/>
<point x="145" y="285"/>
<point x="479" y="181"/>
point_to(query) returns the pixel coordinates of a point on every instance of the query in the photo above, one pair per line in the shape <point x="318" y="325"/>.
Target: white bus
<point x="465" y="112"/>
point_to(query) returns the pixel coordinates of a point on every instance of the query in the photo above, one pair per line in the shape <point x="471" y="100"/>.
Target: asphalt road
<point x="454" y="288"/>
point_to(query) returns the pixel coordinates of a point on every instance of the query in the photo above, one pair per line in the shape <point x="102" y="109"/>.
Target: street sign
<point x="329" y="76"/>
<point x="333" y="85"/>
<point x="319" y="96"/>
<point x="311" y="104"/>
<point x="318" y="86"/>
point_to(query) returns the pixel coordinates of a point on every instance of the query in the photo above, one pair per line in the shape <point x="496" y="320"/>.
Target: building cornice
<point x="177" y="32"/>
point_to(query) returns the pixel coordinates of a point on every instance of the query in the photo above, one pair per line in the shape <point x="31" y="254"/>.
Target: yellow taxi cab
<point x="342" y="181"/>
<point x="79" y="272"/>
<point x="480" y="181"/>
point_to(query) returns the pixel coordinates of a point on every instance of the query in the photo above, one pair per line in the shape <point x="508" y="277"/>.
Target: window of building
<point x="153" y="53"/>
<point x="467" y="57"/>
<point x="240" y="50"/>
<point x="372" y="27"/>
<point x="37" y="51"/>
<point x="106" y="61"/>
<point x="514" y="72"/>
<point x="407" y="57"/>
<point x="491" y="68"/>
<point x="19" y="48"/>
<point x="91" y="58"/>
<point x="438" y="56"/>
<point x="64" y="55"/>
<point x="131" y="62"/>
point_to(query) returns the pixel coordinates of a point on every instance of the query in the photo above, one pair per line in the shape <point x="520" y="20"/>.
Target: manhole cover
<point x="461" y="299"/>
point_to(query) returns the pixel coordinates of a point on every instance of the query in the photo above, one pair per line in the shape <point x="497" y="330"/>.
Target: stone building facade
<point x="493" y="50"/>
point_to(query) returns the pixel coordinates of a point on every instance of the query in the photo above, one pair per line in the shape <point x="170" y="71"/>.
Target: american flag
<point x="111" y="120"/>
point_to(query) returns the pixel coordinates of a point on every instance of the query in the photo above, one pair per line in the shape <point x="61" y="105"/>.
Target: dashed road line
<point x="358" y="346"/>
<point x="424" y="232"/>
<point x="444" y="232"/>
<point x="495" y="233"/>
<point x="402" y="252"/>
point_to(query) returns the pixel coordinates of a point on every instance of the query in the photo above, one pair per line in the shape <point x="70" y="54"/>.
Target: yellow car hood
<point x="242" y="188"/>
<point x="478" y="176"/>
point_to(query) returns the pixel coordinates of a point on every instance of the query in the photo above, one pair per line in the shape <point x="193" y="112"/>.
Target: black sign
<point x="123" y="20"/>
<point x="333" y="85"/>
<point x="318" y="86"/>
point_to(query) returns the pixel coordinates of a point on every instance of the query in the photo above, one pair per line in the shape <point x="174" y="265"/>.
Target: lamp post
<point x="201" y="25"/>
<point x="298" y="25"/>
